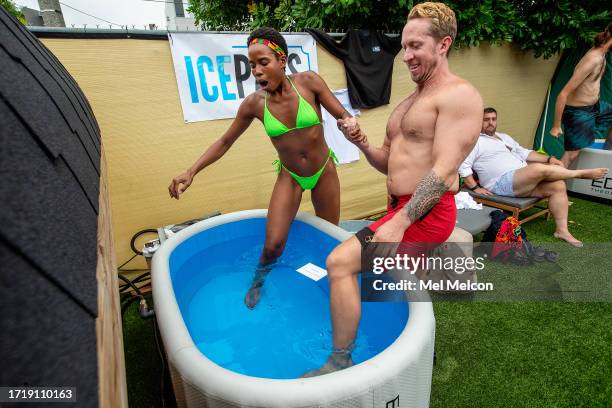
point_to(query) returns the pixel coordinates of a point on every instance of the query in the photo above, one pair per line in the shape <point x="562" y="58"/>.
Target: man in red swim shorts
<point x="428" y="136"/>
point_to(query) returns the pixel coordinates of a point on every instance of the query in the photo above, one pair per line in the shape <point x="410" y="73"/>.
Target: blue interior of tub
<point x="289" y="332"/>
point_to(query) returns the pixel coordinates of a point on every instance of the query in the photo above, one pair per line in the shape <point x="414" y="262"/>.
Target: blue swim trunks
<point x="581" y="122"/>
<point x="503" y="185"/>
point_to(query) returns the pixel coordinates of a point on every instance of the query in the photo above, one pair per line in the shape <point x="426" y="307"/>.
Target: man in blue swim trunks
<point x="506" y="168"/>
<point x="578" y="105"/>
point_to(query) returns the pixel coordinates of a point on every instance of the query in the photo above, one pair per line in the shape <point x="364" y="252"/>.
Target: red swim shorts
<point x="433" y="227"/>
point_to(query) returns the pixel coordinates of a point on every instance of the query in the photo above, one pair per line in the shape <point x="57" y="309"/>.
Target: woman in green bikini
<point x="289" y="108"/>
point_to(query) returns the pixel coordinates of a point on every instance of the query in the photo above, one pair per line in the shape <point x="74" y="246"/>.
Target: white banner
<point x="346" y="152"/>
<point x="213" y="72"/>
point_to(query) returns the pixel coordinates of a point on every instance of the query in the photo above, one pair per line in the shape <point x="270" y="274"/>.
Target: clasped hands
<point x="352" y="132"/>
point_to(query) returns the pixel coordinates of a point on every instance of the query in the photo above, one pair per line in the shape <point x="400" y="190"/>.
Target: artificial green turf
<point x="522" y="354"/>
<point x="518" y="354"/>
<point x="142" y="361"/>
<point x="588" y="221"/>
<point x="532" y="354"/>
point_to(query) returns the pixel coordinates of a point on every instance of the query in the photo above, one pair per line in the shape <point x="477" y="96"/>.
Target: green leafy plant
<point x="12" y="9"/>
<point x="220" y="15"/>
<point x="545" y="27"/>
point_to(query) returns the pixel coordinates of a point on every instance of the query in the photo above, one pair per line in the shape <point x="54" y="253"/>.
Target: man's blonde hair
<point x="443" y="21"/>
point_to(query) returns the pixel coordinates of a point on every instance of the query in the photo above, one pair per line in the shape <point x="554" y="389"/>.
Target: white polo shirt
<point x="492" y="157"/>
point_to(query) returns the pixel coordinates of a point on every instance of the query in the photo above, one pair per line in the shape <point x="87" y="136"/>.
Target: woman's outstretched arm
<point x="246" y="114"/>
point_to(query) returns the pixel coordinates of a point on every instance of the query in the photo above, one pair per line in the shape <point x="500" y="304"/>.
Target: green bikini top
<point x="306" y="117"/>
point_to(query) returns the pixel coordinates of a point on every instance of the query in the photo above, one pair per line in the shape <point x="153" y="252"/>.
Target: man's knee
<point x="343" y="261"/>
<point x="552" y="187"/>
<point x="547" y="189"/>
<point x="335" y="261"/>
<point x="460" y="235"/>
<point x="459" y="244"/>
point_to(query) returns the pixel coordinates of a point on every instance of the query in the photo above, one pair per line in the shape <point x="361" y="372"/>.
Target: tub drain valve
<point x="143" y="309"/>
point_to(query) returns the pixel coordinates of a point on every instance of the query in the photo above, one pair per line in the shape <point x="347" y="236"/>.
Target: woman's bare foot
<point x="252" y="297"/>
<point x="569" y="238"/>
<point x="254" y="293"/>
<point x="593" y="174"/>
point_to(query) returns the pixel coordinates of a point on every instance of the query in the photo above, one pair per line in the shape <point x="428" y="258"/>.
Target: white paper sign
<point x="312" y="271"/>
<point x="213" y="72"/>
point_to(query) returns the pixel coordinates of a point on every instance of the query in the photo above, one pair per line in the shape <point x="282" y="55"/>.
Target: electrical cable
<point x="136" y="235"/>
<point x="126" y="262"/>
<point x="144" y="312"/>
<point x="134" y="270"/>
<point x="136" y="280"/>
<point x="82" y="12"/>
<point x="129" y="282"/>
<point x="125" y="288"/>
<point x="136" y="251"/>
<point x="140" y="277"/>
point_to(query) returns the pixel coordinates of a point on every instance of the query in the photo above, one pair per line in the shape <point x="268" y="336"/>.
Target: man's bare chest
<point x="413" y="121"/>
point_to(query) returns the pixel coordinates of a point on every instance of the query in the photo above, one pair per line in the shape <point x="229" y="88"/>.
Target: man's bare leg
<point x="527" y="178"/>
<point x="556" y="192"/>
<point x="343" y="265"/>
<point x="569" y="156"/>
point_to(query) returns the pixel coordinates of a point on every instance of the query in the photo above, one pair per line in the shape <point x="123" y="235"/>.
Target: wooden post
<point x="111" y="362"/>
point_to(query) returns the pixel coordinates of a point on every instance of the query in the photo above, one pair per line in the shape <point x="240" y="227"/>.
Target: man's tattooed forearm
<point x="426" y="195"/>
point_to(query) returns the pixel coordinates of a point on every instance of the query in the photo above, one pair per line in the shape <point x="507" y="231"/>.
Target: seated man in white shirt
<point x="506" y="168"/>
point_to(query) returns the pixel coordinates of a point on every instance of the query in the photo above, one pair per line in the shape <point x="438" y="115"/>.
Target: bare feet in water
<point x="252" y="297"/>
<point x="569" y="238"/>
<point x="337" y="361"/>
<point x="254" y="293"/>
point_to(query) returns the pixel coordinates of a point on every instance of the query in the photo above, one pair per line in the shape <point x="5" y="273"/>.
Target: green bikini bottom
<point x="310" y="182"/>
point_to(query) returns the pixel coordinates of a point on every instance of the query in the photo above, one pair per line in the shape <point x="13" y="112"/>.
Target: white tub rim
<point x="202" y="373"/>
